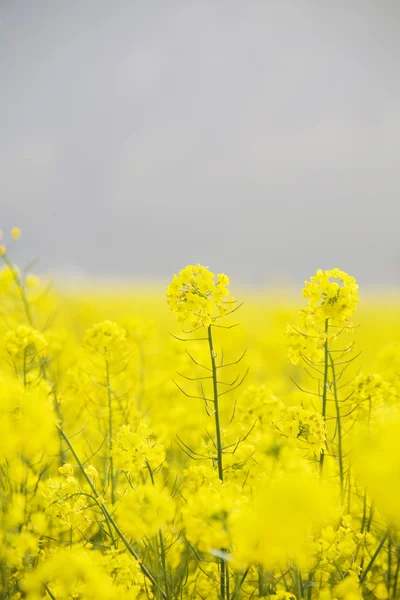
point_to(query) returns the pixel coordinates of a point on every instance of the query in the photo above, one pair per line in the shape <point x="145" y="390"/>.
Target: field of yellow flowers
<point x="197" y="446"/>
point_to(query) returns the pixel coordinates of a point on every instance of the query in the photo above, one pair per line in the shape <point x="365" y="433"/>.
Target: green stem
<point x="224" y="572"/>
<point x="310" y="586"/>
<point x="298" y="584"/>
<point x="325" y="384"/>
<point x="48" y="590"/>
<point x="339" y="427"/>
<point x="368" y="529"/>
<point x="216" y="405"/>
<point x="373" y="559"/>
<point x="222" y="579"/>
<point x="261" y="582"/>
<point x="227" y="582"/>
<point x="109" y="517"/>
<point x="389" y="570"/>
<point x="396" y="575"/>
<point x="364" y="517"/>
<point x="238" y="586"/>
<point x="164" y="563"/>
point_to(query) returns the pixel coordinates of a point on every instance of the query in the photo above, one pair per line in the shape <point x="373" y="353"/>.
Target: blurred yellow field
<point x="241" y="451"/>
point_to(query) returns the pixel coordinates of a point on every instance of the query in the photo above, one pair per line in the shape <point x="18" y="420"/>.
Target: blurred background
<point x="260" y="138"/>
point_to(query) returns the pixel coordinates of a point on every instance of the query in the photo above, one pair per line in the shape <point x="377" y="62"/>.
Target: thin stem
<point x="228" y="592"/>
<point x="389" y="569"/>
<point x="298" y="584"/>
<point x="373" y="559"/>
<point x="325" y="388"/>
<point x="396" y="575"/>
<point x="222" y="579"/>
<point x="261" y="582"/>
<point x="364" y="517"/>
<point x="216" y="405"/>
<point x="238" y="586"/>
<point x="339" y="427"/>
<point x="224" y="572"/>
<point x="164" y="562"/>
<point x="48" y="590"/>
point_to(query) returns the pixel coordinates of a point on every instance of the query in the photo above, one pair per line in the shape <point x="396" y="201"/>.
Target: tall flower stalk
<point x="200" y="298"/>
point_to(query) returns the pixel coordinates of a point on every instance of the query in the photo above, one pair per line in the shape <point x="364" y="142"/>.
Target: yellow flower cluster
<point x="333" y="295"/>
<point x="304" y="425"/>
<point x="198" y="296"/>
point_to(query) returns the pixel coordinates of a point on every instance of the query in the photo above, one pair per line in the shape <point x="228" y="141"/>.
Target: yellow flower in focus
<point x="133" y="450"/>
<point x="332" y="295"/>
<point x="198" y="296"/>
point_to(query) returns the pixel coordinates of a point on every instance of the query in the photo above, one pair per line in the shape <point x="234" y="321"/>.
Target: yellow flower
<point x="332" y="295"/>
<point x="3" y="250"/>
<point x="15" y="233"/>
<point x="66" y="470"/>
<point x="198" y="296"/>
<point x="92" y="472"/>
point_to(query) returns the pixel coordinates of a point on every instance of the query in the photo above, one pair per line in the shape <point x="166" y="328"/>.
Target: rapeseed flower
<point x="199" y="296"/>
<point x="333" y="295"/>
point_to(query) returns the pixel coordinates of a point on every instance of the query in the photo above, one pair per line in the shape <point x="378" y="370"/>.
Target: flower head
<point x="332" y="295"/>
<point x="198" y="295"/>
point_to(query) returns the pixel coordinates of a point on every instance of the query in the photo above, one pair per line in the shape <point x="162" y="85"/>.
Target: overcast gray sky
<point x="261" y="138"/>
